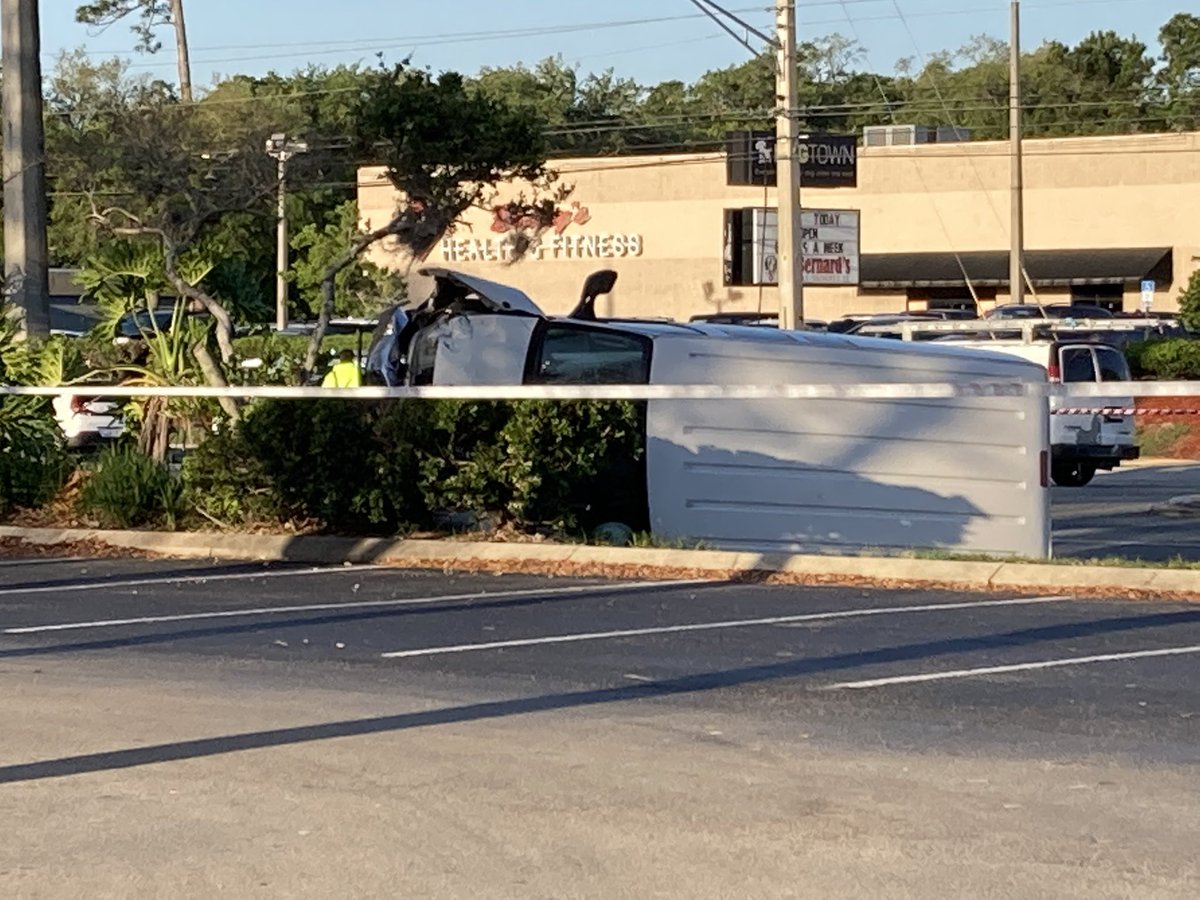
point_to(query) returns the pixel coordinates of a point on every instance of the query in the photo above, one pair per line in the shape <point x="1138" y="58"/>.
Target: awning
<point x="989" y="268"/>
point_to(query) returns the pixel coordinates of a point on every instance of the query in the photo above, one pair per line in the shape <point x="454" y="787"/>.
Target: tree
<point x="1180" y="74"/>
<point x="152" y="14"/>
<point x="444" y="145"/>
<point x="548" y="90"/>
<point x="734" y="98"/>
<point x="1189" y="303"/>
<point x="152" y="173"/>
<point x="361" y="289"/>
<point x="82" y="96"/>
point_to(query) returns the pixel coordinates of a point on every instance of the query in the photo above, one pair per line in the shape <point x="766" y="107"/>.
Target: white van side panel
<point x="824" y="475"/>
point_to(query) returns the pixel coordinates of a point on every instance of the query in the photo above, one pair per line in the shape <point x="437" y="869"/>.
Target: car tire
<point x="1072" y="474"/>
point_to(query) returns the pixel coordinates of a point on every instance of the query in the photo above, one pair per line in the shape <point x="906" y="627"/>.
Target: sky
<point x="648" y="40"/>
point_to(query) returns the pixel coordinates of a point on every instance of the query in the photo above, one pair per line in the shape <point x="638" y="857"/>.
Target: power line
<point x="767" y="39"/>
<point x="724" y="27"/>
<point x="366" y="43"/>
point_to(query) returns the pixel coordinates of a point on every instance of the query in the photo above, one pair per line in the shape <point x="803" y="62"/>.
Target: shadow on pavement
<point x="706" y="681"/>
<point x="199" y="569"/>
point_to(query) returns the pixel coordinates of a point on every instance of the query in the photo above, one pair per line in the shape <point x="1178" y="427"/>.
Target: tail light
<point x="78" y="404"/>
<point x="1055" y="372"/>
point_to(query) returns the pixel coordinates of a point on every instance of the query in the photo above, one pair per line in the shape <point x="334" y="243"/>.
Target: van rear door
<point x="1116" y="428"/>
<point x="1091" y="363"/>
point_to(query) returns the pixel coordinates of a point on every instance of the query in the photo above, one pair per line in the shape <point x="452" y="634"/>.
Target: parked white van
<point x="966" y="474"/>
<point x="1083" y="438"/>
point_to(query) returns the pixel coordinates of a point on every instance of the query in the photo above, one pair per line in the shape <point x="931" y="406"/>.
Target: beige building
<point x="1103" y="215"/>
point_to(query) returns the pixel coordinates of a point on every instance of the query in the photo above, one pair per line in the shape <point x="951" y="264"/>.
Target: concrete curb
<point x="567" y="559"/>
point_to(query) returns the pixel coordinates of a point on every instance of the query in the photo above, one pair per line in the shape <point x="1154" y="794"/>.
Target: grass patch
<point x="1160" y="439"/>
<point x="647" y="541"/>
<point x="1116" y="562"/>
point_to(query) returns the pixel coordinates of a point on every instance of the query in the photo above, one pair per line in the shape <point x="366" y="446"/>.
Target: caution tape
<point x="1124" y="411"/>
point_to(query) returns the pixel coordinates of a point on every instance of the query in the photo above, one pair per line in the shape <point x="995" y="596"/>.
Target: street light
<point x="280" y="148"/>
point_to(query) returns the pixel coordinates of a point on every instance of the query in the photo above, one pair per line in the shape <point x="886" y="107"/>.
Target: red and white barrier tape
<point x="1124" y="411"/>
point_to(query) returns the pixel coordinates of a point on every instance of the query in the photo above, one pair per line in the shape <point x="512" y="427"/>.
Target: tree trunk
<point x="220" y="314"/>
<point x="181" y="51"/>
<point x="328" y="283"/>
<point x="154" y="440"/>
<point x="212" y="374"/>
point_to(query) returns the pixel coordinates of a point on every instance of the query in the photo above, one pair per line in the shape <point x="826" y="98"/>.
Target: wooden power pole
<point x="787" y="162"/>
<point x="26" y="258"/>
<point x="1016" y="254"/>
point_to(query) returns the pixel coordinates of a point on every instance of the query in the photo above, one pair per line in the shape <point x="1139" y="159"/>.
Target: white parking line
<point x="714" y="626"/>
<point x="360" y="604"/>
<point x="1016" y="667"/>
<point x="183" y="579"/>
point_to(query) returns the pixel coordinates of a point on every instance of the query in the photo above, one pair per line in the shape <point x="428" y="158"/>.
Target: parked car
<point x="1048" y="311"/>
<point x="1080" y="442"/>
<point x="888" y="327"/>
<point x="88" y="421"/>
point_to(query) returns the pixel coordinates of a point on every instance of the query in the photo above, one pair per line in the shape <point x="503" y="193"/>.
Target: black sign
<point x="826" y="160"/>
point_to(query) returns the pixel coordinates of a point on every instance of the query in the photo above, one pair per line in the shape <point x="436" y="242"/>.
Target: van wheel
<point x="1072" y="474"/>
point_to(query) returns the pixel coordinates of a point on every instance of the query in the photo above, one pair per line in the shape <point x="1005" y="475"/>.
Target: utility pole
<point x="282" y="149"/>
<point x="182" y="59"/>
<point x="1016" y="254"/>
<point x="26" y="259"/>
<point x="787" y="160"/>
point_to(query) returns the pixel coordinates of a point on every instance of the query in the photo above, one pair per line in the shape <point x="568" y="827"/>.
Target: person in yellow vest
<point x="345" y="372"/>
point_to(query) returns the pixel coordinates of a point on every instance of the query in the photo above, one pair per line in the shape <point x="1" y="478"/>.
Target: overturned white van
<point x="966" y="474"/>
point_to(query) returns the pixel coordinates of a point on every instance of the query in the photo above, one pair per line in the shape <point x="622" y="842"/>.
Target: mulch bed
<point x="1187" y="446"/>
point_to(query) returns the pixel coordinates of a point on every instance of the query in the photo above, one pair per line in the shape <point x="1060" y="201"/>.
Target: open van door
<point x="1084" y="439"/>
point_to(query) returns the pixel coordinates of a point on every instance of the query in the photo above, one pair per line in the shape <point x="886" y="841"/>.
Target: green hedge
<point x="1174" y="359"/>
<point x="381" y="467"/>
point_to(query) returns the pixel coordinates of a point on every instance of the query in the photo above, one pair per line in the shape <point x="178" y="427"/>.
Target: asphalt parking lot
<point x="1117" y="514"/>
<point x="299" y="731"/>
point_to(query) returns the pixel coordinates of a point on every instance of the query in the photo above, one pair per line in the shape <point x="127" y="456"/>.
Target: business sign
<point x="826" y="160"/>
<point x="830" y="246"/>
<point x="545" y="243"/>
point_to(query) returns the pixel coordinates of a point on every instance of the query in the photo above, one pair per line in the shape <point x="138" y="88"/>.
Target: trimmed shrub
<point x="315" y="456"/>
<point x="227" y="484"/>
<point x="34" y="464"/>
<point x="127" y="489"/>
<point x="463" y="464"/>
<point x="1173" y="360"/>
<point x="576" y="465"/>
<point x="362" y="467"/>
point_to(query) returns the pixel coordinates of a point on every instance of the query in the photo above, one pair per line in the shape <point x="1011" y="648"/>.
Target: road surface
<point x="179" y="729"/>
<point x="1115" y="514"/>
